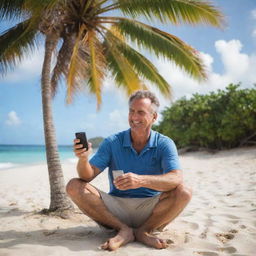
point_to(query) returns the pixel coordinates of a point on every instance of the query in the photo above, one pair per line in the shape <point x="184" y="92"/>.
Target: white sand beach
<point x="220" y="219"/>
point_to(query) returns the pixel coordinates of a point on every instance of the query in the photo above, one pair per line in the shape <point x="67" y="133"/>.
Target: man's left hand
<point x="128" y="181"/>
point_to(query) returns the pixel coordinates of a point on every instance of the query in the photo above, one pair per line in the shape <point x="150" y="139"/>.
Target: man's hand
<point x="163" y="182"/>
<point x="81" y="152"/>
<point x="128" y="181"/>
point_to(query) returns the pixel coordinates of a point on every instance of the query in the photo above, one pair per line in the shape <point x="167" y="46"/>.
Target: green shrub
<point x="222" y="119"/>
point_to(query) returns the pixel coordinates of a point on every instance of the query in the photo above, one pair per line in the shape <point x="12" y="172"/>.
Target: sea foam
<point x="7" y="165"/>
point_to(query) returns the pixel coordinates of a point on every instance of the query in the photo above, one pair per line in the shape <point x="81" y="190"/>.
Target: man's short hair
<point x="143" y="94"/>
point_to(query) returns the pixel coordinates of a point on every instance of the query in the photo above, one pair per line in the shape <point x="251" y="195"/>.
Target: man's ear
<point x="155" y="116"/>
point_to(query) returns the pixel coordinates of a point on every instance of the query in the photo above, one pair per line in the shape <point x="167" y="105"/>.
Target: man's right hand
<point x="81" y="152"/>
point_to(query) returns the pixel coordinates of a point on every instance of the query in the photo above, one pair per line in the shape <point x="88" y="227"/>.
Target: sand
<point x="220" y="219"/>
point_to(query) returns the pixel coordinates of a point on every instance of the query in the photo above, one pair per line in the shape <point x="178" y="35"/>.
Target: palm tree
<point x="91" y="41"/>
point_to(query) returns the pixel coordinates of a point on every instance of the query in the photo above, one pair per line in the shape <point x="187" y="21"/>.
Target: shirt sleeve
<point x="170" y="159"/>
<point x="102" y="157"/>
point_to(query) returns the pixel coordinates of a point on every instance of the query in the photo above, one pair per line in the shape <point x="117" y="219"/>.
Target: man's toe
<point x="105" y="246"/>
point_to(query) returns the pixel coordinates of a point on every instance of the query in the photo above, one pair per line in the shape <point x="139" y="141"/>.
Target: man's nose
<point x="134" y="115"/>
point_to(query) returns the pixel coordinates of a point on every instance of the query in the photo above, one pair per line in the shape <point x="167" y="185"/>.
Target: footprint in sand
<point x="230" y="216"/>
<point x="206" y="253"/>
<point x="12" y="203"/>
<point x="233" y="231"/>
<point x="203" y="235"/>
<point x="234" y="221"/>
<point x="230" y="249"/>
<point x="238" y="254"/>
<point x="192" y="225"/>
<point x="224" y="237"/>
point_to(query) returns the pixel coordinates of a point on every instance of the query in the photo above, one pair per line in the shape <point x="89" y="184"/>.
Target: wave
<point x="7" y="165"/>
<point x="72" y="160"/>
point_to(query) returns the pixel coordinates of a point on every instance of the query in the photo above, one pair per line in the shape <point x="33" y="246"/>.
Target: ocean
<point x="16" y="155"/>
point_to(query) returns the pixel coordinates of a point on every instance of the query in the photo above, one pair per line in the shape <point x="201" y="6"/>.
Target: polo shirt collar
<point x="152" y="143"/>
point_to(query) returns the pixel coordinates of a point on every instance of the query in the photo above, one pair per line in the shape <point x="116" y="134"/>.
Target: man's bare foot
<point x="124" y="236"/>
<point x="150" y="240"/>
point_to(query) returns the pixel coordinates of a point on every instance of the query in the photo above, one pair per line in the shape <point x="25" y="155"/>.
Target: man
<point x="150" y="193"/>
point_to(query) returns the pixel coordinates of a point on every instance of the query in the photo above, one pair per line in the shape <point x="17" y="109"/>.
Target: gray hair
<point x="143" y="94"/>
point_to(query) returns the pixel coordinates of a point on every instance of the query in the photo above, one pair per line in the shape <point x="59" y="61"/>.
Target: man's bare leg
<point x="168" y="208"/>
<point x="87" y="198"/>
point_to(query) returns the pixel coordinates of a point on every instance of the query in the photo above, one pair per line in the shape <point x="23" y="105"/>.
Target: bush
<point x="224" y="119"/>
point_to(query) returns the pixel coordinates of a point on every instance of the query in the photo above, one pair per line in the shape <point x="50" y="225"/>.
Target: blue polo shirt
<point x="159" y="156"/>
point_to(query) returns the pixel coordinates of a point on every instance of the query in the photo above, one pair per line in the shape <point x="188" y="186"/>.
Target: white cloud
<point x="235" y="63"/>
<point x="13" y="119"/>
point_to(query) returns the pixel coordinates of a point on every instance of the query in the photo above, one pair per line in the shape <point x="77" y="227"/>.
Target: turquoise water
<point x="13" y="155"/>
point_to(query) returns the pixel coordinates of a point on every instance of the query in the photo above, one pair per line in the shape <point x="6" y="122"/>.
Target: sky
<point x="229" y="55"/>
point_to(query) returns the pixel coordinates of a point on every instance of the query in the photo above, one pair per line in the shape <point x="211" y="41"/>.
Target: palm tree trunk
<point x="59" y="199"/>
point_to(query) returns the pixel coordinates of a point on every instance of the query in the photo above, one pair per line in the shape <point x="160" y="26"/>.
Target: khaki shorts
<point x="131" y="211"/>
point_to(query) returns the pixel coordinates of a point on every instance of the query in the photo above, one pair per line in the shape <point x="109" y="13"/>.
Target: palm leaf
<point x="163" y="44"/>
<point x="73" y="72"/>
<point x="142" y="65"/>
<point x="176" y="11"/>
<point x="16" y="43"/>
<point x="120" y="67"/>
<point x="63" y="61"/>
<point x="39" y="6"/>
<point x="11" y="9"/>
<point x="78" y="71"/>
<point x="97" y="65"/>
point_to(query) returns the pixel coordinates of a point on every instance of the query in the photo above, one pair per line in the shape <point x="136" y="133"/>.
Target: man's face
<point x="141" y="115"/>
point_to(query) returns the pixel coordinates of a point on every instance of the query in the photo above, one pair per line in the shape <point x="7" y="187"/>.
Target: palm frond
<point x="142" y="65"/>
<point x="97" y="66"/>
<point x="40" y="5"/>
<point x="120" y="67"/>
<point x="176" y="11"/>
<point x="63" y="61"/>
<point x="163" y="44"/>
<point x="73" y="71"/>
<point x="16" y="43"/>
<point x="11" y="9"/>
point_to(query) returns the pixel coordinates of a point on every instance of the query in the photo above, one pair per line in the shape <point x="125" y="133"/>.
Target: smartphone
<point x="83" y="140"/>
<point x="117" y="173"/>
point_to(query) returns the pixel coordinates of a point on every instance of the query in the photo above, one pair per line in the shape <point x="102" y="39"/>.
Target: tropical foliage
<point x="218" y="120"/>
<point x="92" y="39"/>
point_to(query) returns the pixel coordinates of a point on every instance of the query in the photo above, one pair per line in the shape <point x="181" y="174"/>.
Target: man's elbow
<point x="85" y="178"/>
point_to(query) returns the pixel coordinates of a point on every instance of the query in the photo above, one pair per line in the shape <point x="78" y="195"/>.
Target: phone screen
<point x="83" y="140"/>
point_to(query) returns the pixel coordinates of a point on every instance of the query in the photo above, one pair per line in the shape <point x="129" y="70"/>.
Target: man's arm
<point x="163" y="182"/>
<point x="84" y="169"/>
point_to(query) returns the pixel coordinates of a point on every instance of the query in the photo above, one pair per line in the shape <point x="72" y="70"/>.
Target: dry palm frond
<point x="63" y="61"/>
<point x="97" y="65"/>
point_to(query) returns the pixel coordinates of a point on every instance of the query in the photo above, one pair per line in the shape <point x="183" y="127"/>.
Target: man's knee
<point x="74" y="187"/>
<point x="183" y="193"/>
